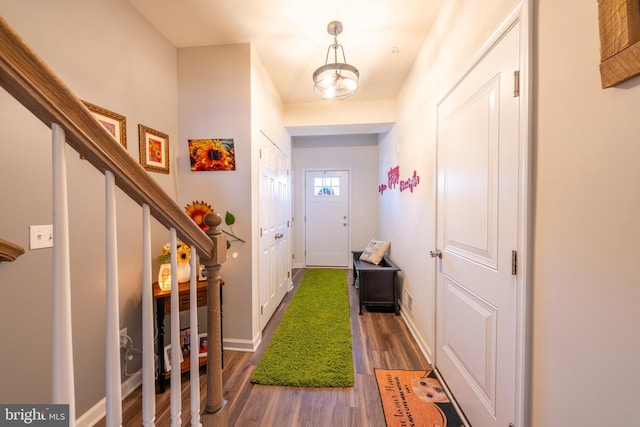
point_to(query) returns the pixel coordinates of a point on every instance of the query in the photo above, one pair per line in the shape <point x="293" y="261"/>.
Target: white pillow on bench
<point x="374" y="252"/>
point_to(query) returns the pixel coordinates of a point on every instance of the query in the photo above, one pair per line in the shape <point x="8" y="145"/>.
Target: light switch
<point x="40" y="236"/>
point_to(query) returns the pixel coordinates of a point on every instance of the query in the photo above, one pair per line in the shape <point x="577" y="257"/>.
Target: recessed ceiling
<point x="381" y="37"/>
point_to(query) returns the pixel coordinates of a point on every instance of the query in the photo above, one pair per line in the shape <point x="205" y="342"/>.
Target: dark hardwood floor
<point x="380" y="340"/>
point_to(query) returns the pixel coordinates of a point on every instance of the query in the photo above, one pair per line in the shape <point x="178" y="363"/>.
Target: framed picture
<point x="185" y="341"/>
<point x="202" y="347"/>
<point x="212" y="154"/>
<point x="154" y="149"/>
<point x="115" y="123"/>
<point x="167" y="357"/>
<point x="202" y="273"/>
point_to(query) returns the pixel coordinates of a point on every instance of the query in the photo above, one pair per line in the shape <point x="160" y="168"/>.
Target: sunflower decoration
<point x="183" y="253"/>
<point x="212" y="154"/>
<point x="196" y="211"/>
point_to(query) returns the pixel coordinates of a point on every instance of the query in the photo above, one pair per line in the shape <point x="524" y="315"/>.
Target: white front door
<point x="275" y="271"/>
<point x="327" y="218"/>
<point x="477" y="231"/>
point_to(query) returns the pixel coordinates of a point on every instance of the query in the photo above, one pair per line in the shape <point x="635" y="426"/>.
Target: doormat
<point x="415" y="398"/>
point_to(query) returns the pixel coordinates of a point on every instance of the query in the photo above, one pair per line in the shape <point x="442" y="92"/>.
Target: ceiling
<point x="291" y="39"/>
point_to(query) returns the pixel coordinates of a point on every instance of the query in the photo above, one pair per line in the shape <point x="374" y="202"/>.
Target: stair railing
<point x="31" y="82"/>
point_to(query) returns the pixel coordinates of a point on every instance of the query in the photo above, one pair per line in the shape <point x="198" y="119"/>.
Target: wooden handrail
<point x="30" y="81"/>
<point x="9" y="251"/>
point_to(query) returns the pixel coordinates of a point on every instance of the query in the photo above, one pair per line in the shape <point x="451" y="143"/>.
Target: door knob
<point x="279" y="235"/>
<point x="436" y="254"/>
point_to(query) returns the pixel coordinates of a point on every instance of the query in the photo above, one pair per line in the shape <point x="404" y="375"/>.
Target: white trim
<point x="408" y="320"/>
<point x="525" y="205"/>
<point x="242" y="345"/>
<point x="98" y="411"/>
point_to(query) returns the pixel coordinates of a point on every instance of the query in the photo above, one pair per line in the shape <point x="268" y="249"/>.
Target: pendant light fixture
<point x="336" y="79"/>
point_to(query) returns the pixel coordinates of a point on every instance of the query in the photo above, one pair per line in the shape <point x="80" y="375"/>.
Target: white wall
<point x="224" y="92"/>
<point x="215" y="102"/>
<point x="356" y="153"/>
<point x="370" y="112"/>
<point x="408" y="219"/>
<point x="584" y="287"/>
<point x="585" y="280"/>
<point x="108" y="55"/>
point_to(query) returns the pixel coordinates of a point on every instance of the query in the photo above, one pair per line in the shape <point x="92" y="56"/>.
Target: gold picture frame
<point x="154" y="149"/>
<point x="114" y="123"/>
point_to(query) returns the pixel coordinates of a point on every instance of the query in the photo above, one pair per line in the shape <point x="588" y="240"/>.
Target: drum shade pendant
<point x="337" y="80"/>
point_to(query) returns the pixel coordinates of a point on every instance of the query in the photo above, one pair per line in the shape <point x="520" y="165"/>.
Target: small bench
<point x="376" y="283"/>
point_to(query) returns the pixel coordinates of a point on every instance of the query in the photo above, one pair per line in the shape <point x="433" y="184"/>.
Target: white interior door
<point x="275" y="271"/>
<point x="327" y="218"/>
<point x="477" y="230"/>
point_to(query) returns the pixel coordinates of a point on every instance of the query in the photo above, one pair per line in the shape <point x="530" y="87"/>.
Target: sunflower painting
<point x="212" y="155"/>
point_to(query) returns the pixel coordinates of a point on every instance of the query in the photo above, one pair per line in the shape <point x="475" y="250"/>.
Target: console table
<point x="163" y="307"/>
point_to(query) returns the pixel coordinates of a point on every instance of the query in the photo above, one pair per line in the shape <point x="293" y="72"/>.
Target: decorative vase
<point x="184" y="272"/>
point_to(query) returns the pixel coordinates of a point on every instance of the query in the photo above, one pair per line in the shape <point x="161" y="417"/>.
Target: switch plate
<point x="40" y="236"/>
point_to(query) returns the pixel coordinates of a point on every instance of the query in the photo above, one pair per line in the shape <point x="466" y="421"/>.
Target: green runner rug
<point x="311" y="347"/>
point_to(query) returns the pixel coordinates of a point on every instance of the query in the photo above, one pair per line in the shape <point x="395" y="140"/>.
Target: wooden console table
<point x="163" y="307"/>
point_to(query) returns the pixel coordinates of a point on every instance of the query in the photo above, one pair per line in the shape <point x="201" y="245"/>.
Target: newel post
<point x="214" y="333"/>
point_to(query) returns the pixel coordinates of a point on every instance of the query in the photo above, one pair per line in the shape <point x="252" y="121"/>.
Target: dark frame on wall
<point x="619" y="22"/>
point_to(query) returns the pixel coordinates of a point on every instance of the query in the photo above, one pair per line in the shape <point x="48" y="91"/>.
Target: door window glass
<point x="326" y="186"/>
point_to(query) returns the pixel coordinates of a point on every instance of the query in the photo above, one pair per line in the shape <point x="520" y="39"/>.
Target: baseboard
<point x="416" y="336"/>
<point x="424" y="349"/>
<point x="99" y="410"/>
<point x="242" y="345"/>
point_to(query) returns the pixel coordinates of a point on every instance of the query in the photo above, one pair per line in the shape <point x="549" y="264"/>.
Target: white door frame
<point x="523" y="14"/>
<point x="304" y="205"/>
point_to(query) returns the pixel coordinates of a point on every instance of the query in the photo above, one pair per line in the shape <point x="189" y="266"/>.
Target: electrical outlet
<point x="123" y="337"/>
<point x="40" y="236"/>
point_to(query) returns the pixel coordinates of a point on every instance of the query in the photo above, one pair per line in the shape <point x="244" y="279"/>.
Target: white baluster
<point x="195" y="343"/>
<point x="113" y="383"/>
<point x="148" y="355"/>
<point x="176" y="394"/>
<point x="63" y="391"/>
